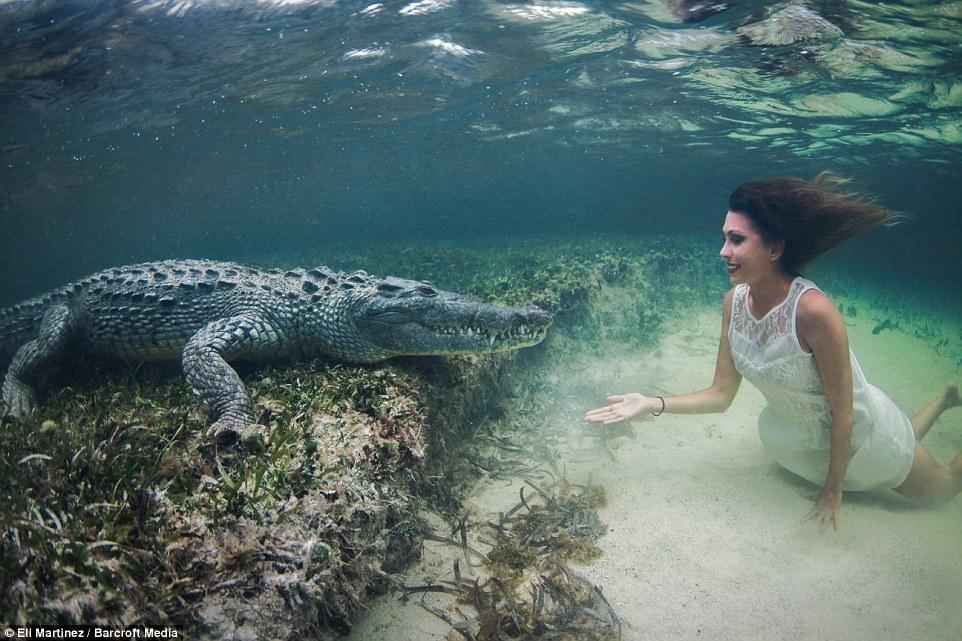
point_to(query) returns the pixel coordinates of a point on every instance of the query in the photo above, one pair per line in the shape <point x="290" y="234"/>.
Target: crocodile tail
<point x="19" y="324"/>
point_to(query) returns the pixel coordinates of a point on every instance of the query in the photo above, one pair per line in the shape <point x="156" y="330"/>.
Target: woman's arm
<point x="821" y="331"/>
<point x="715" y="398"/>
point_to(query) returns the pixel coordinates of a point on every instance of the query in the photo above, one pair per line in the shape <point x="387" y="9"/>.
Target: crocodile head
<point x="406" y="317"/>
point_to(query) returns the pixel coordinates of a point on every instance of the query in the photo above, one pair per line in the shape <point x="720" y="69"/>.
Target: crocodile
<point x="209" y="314"/>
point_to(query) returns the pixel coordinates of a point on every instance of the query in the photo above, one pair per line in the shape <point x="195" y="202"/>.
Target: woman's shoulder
<point x="729" y="297"/>
<point x="814" y="301"/>
<point x="816" y="313"/>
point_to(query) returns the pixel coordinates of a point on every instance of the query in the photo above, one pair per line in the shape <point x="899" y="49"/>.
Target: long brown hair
<point x="809" y="217"/>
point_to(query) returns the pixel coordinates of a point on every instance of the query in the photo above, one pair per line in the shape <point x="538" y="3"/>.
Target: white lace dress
<point x="795" y="427"/>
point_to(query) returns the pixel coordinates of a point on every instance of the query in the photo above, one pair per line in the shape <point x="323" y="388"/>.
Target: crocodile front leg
<point x="56" y="328"/>
<point x="205" y="365"/>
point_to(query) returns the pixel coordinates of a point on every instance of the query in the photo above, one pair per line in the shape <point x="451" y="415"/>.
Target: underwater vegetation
<point x="115" y="510"/>
<point x="530" y="591"/>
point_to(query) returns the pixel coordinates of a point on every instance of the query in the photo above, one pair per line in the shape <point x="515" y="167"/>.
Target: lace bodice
<point x="767" y="353"/>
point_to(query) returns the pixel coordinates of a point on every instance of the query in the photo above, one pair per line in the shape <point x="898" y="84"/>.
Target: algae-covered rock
<point x="123" y="523"/>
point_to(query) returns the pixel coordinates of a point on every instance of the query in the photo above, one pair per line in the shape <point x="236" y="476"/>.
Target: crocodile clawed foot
<point x="19" y="399"/>
<point x="229" y="433"/>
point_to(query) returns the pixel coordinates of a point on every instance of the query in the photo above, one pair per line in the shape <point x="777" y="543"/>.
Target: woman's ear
<point x="775" y="250"/>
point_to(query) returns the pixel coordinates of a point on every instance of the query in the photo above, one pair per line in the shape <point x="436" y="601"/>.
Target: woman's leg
<point x="927" y="480"/>
<point x="930" y="482"/>
<point x="925" y="417"/>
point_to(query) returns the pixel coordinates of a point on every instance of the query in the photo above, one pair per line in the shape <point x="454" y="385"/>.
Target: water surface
<point x="142" y="129"/>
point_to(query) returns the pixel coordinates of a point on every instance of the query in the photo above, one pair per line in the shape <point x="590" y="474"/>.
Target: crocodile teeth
<point x="491" y="336"/>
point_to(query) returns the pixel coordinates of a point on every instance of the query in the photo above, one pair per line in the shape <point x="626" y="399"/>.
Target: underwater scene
<point x="303" y="304"/>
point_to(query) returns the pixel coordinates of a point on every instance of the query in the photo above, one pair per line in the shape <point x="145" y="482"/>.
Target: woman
<point x="823" y="421"/>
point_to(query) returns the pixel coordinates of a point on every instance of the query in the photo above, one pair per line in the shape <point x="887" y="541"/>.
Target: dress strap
<point x="799" y="286"/>
<point x="740" y="299"/>
<point x="739" y="309"/>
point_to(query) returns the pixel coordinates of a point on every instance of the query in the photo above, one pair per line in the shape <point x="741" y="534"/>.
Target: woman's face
<point x="748" y="256"/>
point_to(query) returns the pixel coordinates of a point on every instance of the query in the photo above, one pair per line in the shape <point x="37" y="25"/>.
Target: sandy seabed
<point x="707" y="537"/>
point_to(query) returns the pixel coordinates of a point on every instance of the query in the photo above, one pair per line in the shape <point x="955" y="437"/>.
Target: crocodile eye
<point x="388" y="290"/>
<point x="427" y="292"/>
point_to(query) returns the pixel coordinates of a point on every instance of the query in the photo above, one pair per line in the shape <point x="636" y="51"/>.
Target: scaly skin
<point x="210" y="313"/>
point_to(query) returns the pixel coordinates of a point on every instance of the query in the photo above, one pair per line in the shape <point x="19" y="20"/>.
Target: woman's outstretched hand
<point x="623" y="407"/>
<point x="826" y="510"/>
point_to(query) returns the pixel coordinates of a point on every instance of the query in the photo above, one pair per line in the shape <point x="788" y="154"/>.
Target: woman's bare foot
<point x="951" y="396"/>
<point x="925" y="417"/>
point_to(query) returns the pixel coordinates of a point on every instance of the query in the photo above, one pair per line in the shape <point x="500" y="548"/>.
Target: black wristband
<point x="662" y="410"/>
